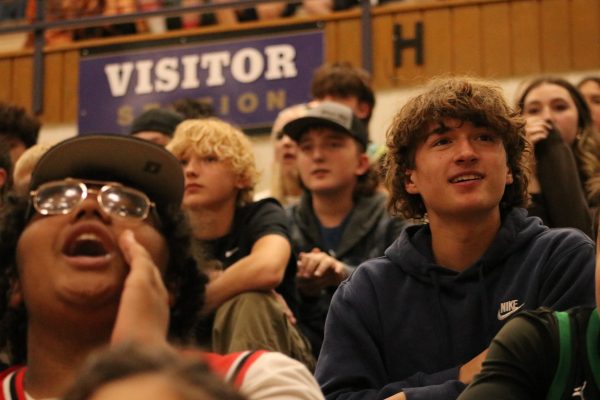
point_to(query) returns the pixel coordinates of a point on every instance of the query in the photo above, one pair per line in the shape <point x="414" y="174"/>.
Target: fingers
<point x="317" y="264"/>
<point x="306" y="264"/>
<point x="143" y="290"/>
<point x="326" y="263"/>
<point x="139" y="260"/>
<point x="286" y="309"/>
<point x="537" y="129"/>
<point x="310" y="263"/>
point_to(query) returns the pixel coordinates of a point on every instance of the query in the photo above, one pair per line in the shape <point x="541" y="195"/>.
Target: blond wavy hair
<point x="278" y="179"/>
<point x="212" y="136"/>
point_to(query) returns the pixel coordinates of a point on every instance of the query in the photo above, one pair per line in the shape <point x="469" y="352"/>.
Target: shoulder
<point x="374" y="275"/>
<point x="261" y="213"/>
<point x="530" y="232"/>
<point x="264" y="375"/>
<point x="7" y="372"/>
<point x="564" y="244"/>
<point x="276" y="376"/>
<point x="265" y="205"/>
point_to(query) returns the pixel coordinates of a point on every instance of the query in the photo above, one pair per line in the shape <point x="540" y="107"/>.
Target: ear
<point x="15" y="295"/>
<point x="362" y="110"/>
<point x="363" y="164"/>
<point x="509" y="177"/>
<point x="241" y="183"/>
<point x="409" y="183"/>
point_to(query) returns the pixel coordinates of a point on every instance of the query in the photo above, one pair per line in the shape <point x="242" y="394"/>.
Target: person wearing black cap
<point x="156" y="125"/>
<point x="341" y="219"/>
<point x="97" y="255"/>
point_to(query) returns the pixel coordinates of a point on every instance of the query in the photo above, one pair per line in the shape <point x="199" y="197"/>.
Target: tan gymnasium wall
<point x="504" y="40"/>
<point x="490" y="38"/>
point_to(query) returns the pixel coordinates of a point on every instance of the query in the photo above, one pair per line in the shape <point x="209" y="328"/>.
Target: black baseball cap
<point x="156" y="120"/>
<point x="134" y="162"/>
<point x="327" y="113"/>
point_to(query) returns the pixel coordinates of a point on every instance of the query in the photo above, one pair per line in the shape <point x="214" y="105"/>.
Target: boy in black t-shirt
<point x="250" y="239"/>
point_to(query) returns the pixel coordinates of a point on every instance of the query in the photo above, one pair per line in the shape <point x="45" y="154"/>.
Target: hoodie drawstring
<point x="483" y="296"/>
<point x="443" y="325"/>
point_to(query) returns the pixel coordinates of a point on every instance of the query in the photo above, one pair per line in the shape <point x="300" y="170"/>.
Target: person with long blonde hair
<point x="285" y="184"/>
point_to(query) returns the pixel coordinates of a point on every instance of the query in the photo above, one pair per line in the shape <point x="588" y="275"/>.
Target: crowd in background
<point x="364" y="270"/>
<point x="60" y="10"/>
<point x="282" y="265"/>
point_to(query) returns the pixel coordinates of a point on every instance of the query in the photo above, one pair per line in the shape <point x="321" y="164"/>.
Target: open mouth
<point x="466" y="178"/>
<point x="86" y="245"/>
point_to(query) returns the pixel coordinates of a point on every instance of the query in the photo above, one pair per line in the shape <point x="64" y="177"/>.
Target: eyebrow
<point x="440" y="129"/>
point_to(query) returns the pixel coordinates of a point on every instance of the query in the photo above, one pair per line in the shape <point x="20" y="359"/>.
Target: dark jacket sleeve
<point x="521" y="361"/>
<point x="562" y="195"/>
<point x="351" y="365"/>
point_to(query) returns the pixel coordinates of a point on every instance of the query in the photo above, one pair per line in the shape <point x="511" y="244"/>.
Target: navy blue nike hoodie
<point x="403" y="323"/>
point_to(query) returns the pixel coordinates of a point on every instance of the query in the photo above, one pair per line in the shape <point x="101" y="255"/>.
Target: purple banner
<point x="248" y="80"/>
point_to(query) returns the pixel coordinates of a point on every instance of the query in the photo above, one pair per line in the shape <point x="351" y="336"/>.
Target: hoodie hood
<point x="412" y="251"/>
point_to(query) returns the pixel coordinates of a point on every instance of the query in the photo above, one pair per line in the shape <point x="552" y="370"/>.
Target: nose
<point x="547" y="114"/>
<point x="90" y="208"/>
<point x="190" y="169"/>
<point x="466" y="153"/>
<point x="317" y="153"/>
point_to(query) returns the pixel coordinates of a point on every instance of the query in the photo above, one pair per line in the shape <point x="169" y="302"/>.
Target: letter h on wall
<point x="400" y="44"/>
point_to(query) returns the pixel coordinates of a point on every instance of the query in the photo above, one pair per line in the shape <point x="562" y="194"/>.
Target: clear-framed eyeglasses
<point x="115" y="199"/>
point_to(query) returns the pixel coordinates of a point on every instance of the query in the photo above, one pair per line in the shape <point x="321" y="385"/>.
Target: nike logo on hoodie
<point x="508" y="308"/>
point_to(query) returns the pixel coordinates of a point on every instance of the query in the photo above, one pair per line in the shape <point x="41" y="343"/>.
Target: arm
<point x="276" y="376"/>
<point x="262" y="269"/>
<point x="520" y="364"/>
<point x="561" y="188"/>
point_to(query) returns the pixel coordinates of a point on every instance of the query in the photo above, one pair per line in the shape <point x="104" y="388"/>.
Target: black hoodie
<point x="403" y="323"/>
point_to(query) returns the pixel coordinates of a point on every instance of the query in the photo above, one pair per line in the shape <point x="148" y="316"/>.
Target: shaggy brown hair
<point x="344" y="80"/>
<point x="465" y="99"/>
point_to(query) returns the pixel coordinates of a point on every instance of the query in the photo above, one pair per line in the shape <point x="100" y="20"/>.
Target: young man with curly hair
<point x="416" y="323"/>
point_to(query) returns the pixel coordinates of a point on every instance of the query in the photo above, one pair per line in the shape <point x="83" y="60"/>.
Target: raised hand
<point x="143" y="313"/>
